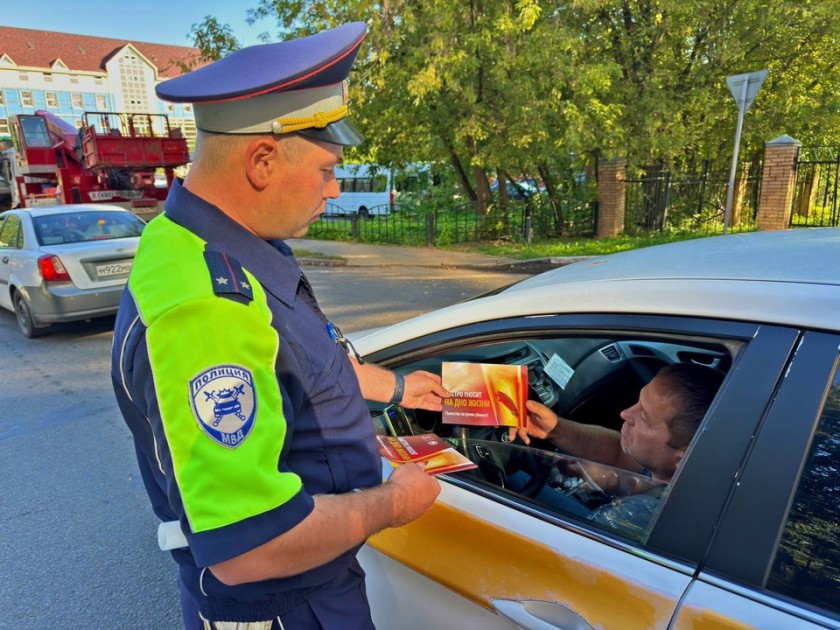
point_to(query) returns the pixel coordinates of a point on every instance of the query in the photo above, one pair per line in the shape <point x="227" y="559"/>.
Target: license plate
<point x="113" y="269"/>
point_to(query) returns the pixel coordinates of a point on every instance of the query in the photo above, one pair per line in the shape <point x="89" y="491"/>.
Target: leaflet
<point x="485" y="394"/>
<point x="436" y="453"/>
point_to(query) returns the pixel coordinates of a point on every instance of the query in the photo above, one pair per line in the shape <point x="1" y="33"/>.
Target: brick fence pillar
<point x="778" y="182"/>
<point x="611" y="177"/>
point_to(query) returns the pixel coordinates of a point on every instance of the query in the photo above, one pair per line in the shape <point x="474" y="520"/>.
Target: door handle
<point x="540" y="615"/>
<point x="5" y="259"/>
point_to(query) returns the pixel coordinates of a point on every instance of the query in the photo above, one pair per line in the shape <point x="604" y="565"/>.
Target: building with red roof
<point x="69" y="75"/>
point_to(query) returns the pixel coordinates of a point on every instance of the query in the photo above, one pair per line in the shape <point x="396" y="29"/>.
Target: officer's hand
<point x="541" y="422"/>
<point x="423" y="390"/>
<point x="413" y="492"/>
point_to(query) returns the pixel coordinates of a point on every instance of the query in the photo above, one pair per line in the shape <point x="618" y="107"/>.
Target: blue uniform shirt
<point x="330" y="442"/>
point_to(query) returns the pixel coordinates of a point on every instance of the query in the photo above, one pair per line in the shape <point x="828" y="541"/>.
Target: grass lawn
<point x="574" y="246"/>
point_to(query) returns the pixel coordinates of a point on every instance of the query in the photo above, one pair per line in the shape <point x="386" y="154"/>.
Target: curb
<point x="532" y="266"/>
<point x="323" y="262"/>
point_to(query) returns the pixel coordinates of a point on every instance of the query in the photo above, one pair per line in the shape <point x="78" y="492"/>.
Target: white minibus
<point x="366" y="190"/>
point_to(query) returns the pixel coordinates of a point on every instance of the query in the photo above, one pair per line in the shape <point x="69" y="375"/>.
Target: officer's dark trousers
<point x="338" y="605"/>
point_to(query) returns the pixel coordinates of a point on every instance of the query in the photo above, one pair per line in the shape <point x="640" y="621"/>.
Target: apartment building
<point x="69" y="75"/>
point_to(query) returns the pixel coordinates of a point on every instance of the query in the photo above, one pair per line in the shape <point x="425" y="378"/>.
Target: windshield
<point x="495" y="291"/>
<point x="88" y="225"/>
<point x="35" y="131"/>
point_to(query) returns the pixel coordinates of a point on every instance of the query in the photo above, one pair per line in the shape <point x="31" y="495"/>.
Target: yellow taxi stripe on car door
<point x="694" y="619"/>
<point x="482" y="561"/>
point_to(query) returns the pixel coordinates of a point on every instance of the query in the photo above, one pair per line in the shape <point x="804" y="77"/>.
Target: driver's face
<point x="646" y="430"/>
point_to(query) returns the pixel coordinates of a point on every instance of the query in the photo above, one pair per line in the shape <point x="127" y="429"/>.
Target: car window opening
<point x="599" y="390"/>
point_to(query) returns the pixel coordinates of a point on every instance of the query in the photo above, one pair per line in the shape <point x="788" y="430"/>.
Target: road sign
<point x="744" y="87"/>
<point x="752" y="81"/>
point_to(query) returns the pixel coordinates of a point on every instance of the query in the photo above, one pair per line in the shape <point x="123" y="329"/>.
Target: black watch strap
<point x="399" y="389"/>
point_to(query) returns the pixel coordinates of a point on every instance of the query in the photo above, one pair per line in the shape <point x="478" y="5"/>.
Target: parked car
<point x="65" y="263"/>
<point x="519" y="190"/>
<point x="746" y="534"/>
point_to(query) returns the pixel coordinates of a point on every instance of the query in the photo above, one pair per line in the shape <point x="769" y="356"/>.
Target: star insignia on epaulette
<point x="227" y="276"/>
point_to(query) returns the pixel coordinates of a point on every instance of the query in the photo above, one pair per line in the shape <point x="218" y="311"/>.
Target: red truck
<point x="113" y="158"/>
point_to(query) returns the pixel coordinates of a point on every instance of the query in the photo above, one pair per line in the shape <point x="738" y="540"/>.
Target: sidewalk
<point x="365" y="255"/>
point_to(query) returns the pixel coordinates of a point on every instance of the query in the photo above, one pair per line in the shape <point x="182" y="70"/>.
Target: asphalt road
<point x="77" y="536"/>
<point x="359" y="298"/>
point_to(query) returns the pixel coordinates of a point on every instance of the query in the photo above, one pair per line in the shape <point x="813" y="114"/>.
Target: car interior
<point x="587" y="379"/>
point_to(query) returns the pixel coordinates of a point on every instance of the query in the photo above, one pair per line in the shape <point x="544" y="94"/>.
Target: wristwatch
<point x="399" y="389"/>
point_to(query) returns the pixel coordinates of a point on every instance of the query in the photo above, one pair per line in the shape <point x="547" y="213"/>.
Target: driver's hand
<point x="599" y="477"/>
<point x="541" y="422"/>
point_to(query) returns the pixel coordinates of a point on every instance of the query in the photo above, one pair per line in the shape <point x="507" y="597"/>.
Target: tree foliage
<point x="213" y="39"/>
<point x="539" y="87"/>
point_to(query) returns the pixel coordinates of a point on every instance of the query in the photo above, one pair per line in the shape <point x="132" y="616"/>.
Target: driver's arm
<point x="586" y="441"/>
<point x="423" y="390"/>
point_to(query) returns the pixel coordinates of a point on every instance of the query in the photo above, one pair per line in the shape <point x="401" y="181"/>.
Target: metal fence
<point x="427" y="225"/>
<point x="383" y="225"/>
<point x="815" y="198"/>
<point x="667" y="201"/>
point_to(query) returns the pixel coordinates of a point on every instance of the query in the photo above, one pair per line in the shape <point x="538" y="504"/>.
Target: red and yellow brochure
<point x="485" y="394"/>
<point x="428" y="448"/>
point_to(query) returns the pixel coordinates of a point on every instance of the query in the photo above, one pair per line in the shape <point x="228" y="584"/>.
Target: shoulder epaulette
<point x="228" y="277"/>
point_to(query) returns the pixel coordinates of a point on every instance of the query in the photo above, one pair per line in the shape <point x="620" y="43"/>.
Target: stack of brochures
<point x="429" y="449"/>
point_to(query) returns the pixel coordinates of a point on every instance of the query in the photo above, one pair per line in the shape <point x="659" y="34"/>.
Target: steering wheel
<point x="530" y="460"/>
<point x="490" y="448"/>
<point x="540" y="385"/>
<point x="489" y="463"/>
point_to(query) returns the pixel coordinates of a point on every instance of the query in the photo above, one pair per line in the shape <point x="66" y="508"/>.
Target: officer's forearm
<point x="375" y="382"/>
<point x="338" y="523"/>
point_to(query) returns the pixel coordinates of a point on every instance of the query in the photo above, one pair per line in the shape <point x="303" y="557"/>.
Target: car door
<point x="485" y="557"/>
<point x="775" y="561"/>
<point x="10" y="242"/>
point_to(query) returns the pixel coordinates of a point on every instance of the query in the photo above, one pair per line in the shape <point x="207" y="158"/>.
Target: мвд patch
<point x="224" y="403"/>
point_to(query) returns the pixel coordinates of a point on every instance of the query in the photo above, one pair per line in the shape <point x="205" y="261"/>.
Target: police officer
<point x="247" y="414"/>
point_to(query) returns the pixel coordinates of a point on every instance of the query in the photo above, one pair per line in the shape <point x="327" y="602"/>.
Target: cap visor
<point x="341" y="132"/>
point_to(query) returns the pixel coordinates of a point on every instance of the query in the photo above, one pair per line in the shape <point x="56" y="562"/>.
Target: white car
<point x="65" y="263"/>
<point x="745" y="534"/>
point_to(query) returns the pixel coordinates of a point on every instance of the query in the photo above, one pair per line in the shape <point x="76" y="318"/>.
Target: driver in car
<point x="653" y="439"/>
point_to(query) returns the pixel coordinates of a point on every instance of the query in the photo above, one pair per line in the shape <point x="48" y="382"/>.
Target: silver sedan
<point x="65" y="263"/>
<point x="741" y="528"/>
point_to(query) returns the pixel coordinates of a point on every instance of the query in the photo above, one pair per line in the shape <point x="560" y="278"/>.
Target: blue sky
<point x="158" y="21"/>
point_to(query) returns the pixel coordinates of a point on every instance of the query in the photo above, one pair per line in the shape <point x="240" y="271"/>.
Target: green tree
<point x="539" y="88"/>
<point x="213" y="39"/>
<point x="674" y="56"/>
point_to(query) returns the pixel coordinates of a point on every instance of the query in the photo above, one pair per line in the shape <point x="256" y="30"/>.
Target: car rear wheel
<point x="364" y="213"/>
<point x="24" y="318"/>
